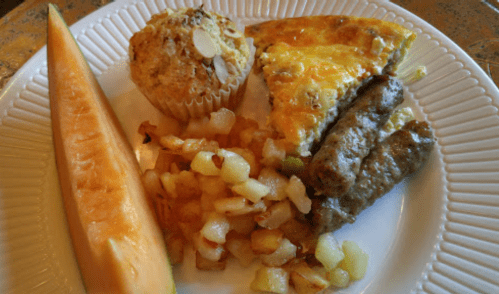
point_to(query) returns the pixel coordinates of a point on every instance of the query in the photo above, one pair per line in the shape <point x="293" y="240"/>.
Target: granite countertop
<point x="472" y="24"/>
<point x="23" y="30"/>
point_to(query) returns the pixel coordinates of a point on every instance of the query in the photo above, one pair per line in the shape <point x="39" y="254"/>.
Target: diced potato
<point x="308" y="245"/>
<point x="172" y="143"/>
<point x="223" y="140"/>
<point x="163" y="211"/>
<point x="190" y="212"/>
<point x="296" y="192"/>
<point x="208" y="200"/>
<point x="164" y="160"/>
<point x="152" y="183"/>
<point x="328" y="251"/>
<point x="209" y="250"/>
<point x="234" y="168"/>
<point x="189" y="147"/>
<point x="187" y="185"/>
<point x="218" y="203"/>
<point x="167" y="125"/>
<point x="196" y="128"/>
<point x="189" y="230"/>
<point x="338" y="277"/>
<point x="265" y="241"/>
<point x="306" y="280"/>
<point x="251" y="189"/>
<point x="355" y="262"/>
<point x="209" y="265"/>
<point x="295" y="230"/>
<point x="175" y="247"/>
<point x="216" y="228"/>
<point x="169" y="184"/>
<point x="272" y="153"/>
<point x="174" y="169"/>
<point x="270" y="279"/>
<point x="250" y="158"/>
<point x="246" y="136"/>
<point x="276" y="182"/>
<point x="230" y="204"/>
<point x="259" y="137"/>
<point x="147" y="157"/>
<point x="203" y="164"/>
<point x="276" y="215"/>
<point x="192" y="146"/>
<point x="241" y="249"/>
<point x="241" y="125"/>
<point x="205" y="215"/>
<point x="242" y="224"/>
<point x="212" y="189"/>
<point x="248" y="208"/>
<point x="212" y="185"/>
<point x="284" y="253"/>
<point x="221" y="121"/>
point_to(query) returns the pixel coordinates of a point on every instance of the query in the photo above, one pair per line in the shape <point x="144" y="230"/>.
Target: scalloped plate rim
<point x="19" y="80"/>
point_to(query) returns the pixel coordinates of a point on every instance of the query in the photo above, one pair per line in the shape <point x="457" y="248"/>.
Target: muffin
<point x="190" y="62"/>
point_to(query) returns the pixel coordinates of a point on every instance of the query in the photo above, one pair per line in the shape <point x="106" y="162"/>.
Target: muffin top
<point x="186" y="54"/>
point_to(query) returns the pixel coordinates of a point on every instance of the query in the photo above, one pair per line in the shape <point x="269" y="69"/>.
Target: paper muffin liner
<point x="228" y="96"/>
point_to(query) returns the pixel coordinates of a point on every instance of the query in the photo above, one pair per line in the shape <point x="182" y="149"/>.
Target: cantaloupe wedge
<point x="116" y="239"/>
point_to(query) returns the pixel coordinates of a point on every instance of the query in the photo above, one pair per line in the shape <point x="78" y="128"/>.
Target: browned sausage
<point x="335" y="166"/>
<point x="388" y="163"/>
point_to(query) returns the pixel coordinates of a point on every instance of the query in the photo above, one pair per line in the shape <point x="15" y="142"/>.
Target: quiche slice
<point x="314" y="65"/>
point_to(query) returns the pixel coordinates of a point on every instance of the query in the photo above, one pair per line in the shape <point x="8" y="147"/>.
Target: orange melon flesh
<point x="117" y="242"/>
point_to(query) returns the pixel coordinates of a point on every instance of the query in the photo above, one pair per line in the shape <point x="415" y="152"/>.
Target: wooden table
<point x="472" y="24"/>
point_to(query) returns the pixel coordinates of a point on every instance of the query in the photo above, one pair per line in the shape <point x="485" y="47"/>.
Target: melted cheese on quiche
<point x="310" y="63"/>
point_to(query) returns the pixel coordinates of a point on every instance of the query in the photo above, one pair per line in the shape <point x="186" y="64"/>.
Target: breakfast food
<point x="213" y="188"/>
<point x="401" y="154"/>
<point x="334" y="168"/>
<point x="314" y="65"/>
<point x="190" y="62"/>
<point x="115" y="234"/>
<point x="336" y="143"/>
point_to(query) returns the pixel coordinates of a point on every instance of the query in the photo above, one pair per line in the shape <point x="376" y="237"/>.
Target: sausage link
<point x="401" y="154"/>
<point x="335" y="166"/>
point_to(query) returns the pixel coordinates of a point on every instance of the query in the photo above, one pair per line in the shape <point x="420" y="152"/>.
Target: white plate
<point x="438" y="232"/>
